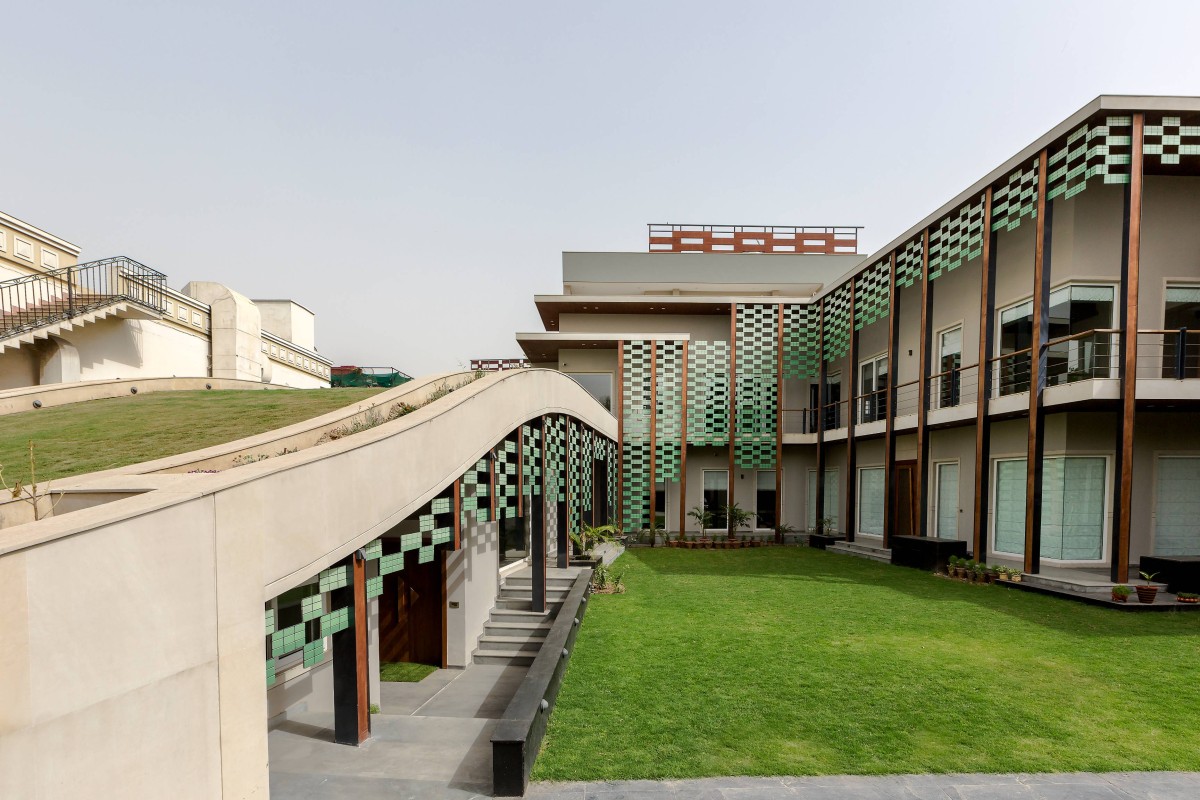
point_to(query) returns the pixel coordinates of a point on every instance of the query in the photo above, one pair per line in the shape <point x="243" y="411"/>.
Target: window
<point x="660" y="504"/>
<point x="1074" y="507"/>
<point x="872" y="387"/>
<point x="1073" y="310"/>
<point x="49" y="259"/>
<point x="764" y="499"/>
<point x="1177" y="506"/>
<point x="597" y="384"/>
<point x="871" y="500"/>
<point x="945" y="503"/>
<point x="1182" y="311"/>
<point x="833" y="399"/>
<point x="949" y="380"/>
<point x="831" y="499"/>
<point x="716" y="496"/>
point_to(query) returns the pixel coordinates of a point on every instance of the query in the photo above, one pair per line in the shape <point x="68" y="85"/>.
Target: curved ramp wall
<point x="133" y="663"/>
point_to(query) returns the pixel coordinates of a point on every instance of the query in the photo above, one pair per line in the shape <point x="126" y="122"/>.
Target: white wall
<point x="282" y="374"/>
<point x="130" y="348"/>
<point x="472" y="581"/>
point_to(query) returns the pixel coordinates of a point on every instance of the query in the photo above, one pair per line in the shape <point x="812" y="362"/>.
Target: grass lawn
<point x="398" y="672"/>
<point x="101" y="434"/>
<point x="791" y="661"/>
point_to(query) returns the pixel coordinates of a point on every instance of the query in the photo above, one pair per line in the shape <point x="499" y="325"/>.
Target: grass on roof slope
<point x="782" y="661"/>
<point x="102" y="434"/>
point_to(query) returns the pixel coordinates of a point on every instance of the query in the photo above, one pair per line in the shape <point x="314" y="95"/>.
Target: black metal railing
<point x="33" y="301"/>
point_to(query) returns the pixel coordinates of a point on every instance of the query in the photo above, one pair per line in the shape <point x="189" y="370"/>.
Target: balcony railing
<point x="34" y="301"/>
<point x="1069" y="359"/>
<point x="1169" y="354"/>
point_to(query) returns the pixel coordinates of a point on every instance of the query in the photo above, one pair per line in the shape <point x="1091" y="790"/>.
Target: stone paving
<point x="1066" y="786"/>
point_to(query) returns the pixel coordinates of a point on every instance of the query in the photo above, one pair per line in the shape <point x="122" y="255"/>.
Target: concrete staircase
<point x="514" y="633"/>
<point x="862" y="550"/>
<point x="8" y="320"/>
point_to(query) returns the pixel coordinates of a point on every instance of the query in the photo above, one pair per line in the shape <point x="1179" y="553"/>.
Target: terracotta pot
<point x="1188" y="600"/>
<point x="1120" y="598"/>
<point x="1146" y="594"/>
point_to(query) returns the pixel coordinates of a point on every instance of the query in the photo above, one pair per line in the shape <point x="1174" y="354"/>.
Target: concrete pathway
<point x="432" y="739"/>
<point x="1066" y="786"/>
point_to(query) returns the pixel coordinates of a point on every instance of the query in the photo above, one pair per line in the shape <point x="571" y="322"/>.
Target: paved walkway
<point x="1067" y="786"/>
<point x="431" y="739"/>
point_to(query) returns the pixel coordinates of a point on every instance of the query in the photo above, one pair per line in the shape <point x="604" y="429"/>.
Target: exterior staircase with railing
<point x="46" y="304"/>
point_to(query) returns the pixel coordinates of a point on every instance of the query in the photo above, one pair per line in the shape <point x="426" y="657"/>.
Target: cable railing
<point x="1169" y="354"/>
<point x="1078" y="357"/>
<point x="953" y="387"/>
<point x="34" y="301"/>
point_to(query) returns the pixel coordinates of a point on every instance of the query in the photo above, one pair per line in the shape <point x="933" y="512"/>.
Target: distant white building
<point x="63" y="321"/>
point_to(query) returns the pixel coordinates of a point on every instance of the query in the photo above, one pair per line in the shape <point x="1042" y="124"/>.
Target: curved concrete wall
<point x="133" y="658"/>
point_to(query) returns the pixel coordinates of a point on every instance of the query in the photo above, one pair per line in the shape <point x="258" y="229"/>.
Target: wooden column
<point x="732" y="409"/>
<point x="851" y="521"/>
<point x="653" y="437"/>
<point x="819" y="500"/>
<point x="683" y="445"/>
<point x="889" y="408"/>
<point x="779" y="425"/>
<point x="537" y="532"/>
<point x="983" y="379"/>
<point x="620" y="465"/>
<point x="1037" y="376"/>
<point x="351" y="692"/>
<point x="1130" y="280"/>
<point x="921" y="478"/>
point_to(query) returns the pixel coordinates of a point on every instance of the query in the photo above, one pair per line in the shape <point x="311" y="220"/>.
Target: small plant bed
<point x="401" y="672"/>
<point x="969" y="571"/>
<point x="1189" y="598"/>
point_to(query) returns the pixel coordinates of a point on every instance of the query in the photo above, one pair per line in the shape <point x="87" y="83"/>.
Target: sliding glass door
<point x="1074" y="507"/>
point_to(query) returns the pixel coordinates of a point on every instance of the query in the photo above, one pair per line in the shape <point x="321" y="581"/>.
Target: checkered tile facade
<point x="556" y="459"/>
<point x="908" y="264"/>
<point x="1099" y="149"/>
<point x="1169" y="140"/>
<point x="531" y="459"/>
<point x="801" y="341"/>
<point x="635" y="449"/>
<point x="575" y="475"/>
<point x="668" y="420"/>
<point x="837" y="323"/>
<point x="1016" y="198"/>
<point x="506" y="479"/>
<point x="474" y="496"/>
<point x="757" y="330"/>
<point x="707" y="393"/>
<point x="956" y="239"/>
<point x="871" y="291"/>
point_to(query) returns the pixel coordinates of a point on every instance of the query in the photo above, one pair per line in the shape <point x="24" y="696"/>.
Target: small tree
<point x="703" y="517"/>
<point x="737" y="517"/>
<point x="31" y="492"/>
<point x="590" y="535"/>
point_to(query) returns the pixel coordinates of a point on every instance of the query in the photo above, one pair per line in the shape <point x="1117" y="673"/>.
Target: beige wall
<point x="130" y="348"/>
<point x="289" y="320"/>
<point x="706" y="327"/>
<point x="1170" y="242"/>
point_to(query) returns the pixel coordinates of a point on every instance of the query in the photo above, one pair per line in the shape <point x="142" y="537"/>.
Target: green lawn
<point x="101" y="434"/>
<point x="400" y="672"/>
<point x="781" y="661"/>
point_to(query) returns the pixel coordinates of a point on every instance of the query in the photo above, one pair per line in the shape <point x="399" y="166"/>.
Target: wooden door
<point x="411" y="611"/>
<point x="904" y="500"/>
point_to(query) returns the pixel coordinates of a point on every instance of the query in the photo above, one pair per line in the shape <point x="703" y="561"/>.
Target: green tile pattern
<point x="506" y="479"/>
<point x="1170" y="139"/>
<point x="707" y="393"/>
<point x="287" y="640"/>
<point x="587" y="468"/>
<point x="801" y="341"/>
<point x="837" y="323"/>
<point x="668" y="421"/>
<point x="757" y="330"/>
<point x="908" y="264"/>
<point x="335" y="578"/>
<point x="270" y="672"/>
<point x="956" y="239"/>
<point x="556" y="459"/>
<point x="393" y="562"/>
<point x="426" y="554"/>
<point x="1101" y="148"/>
<point x="614" y="475"/>
<point x="476" y="490"/>
<point x="374" y="586"/>
<point x="270" y="621"/>
<point x="871" y="289"/>
<point x="531" y="460"/>
<point x="574" y="475"/>
<point x="373" y="550"/>
<point x="334" y="621"/>
<point x="314" y="652"/>
<point x="635" y="449"/>
<point x="312" y="607"/>
<point x="1016" y="198"/>
<point x="410" y="541"/>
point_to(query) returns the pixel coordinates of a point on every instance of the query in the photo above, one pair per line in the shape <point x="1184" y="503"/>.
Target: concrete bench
<point x="925" y="552"/>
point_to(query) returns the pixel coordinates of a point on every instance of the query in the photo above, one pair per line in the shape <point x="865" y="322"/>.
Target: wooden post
<point x="1130" y="286"/>
<point x="654" y="438"/>
<point x="851" y="407"/>
<point x="983" y="378"/>
<point x="889" y="408"/>
<point x="819" y="500"/>
<point x="619" y="466"/>
<point x="683" y="446"/>
<point x="779" y="426"/>
<point x="732" y="483"/>
<point x="1037" y="376"/>
<point x="351" y="692"/>
<point x="920" y="478"/>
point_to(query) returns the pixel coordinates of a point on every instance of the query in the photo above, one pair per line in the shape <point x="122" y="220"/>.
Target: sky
<point x="412" y="172"/>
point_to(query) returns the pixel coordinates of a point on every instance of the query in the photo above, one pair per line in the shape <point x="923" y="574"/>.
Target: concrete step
<point x="502" y="616"/>
<point x="525" y="592"/>
<point x="862" y="551"/>
<point x="524" y="604"/>
<point x="527" y="582"/>
<point x="530" y="629"/>
<point x="511" y="643"/>
<point x="1088" y="586"/>
<point x="507" y="658"/>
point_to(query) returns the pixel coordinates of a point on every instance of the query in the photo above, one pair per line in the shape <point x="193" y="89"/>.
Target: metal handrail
<point x="34" y="301"/>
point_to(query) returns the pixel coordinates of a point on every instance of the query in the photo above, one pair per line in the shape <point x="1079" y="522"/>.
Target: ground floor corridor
<point x="431" y="739"/>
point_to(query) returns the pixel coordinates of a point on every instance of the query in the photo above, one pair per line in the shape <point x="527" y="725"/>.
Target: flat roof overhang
<point x="550" y="306"/>
<point x="541" y="347"/>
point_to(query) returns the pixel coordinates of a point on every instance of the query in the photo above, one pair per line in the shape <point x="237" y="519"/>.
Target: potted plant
<point x="703" y="518"/>
<point x="1188" y="597"/>
<point x="951" y="563"/>
<point x="1003" y="573"/>
<point x="1145" y="591"/>
<point x="782" y="531"/>
<point x="586" y="538"/>
<point x="736" y="517"/>
<point x="1014" y="575"/>
<point x="980" y="572"/>
<point x="1120" y="593"/>
<point x="822" y="534"/>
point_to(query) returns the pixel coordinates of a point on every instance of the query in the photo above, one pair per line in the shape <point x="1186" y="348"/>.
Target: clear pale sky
<point x="412" y="171"/>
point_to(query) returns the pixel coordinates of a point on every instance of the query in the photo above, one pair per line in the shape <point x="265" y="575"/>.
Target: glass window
<point x="1073" y="310"/>
<point x="831" y="499"/>
<point x="949" y="382"/>
<point x="873" y="384"/>
<point x="764" y="499"/>
<point x="871" y="503"/>
<point x="1177" y="506"/>
<point x="660" y="505"/>
<point x="716" y="496"/>
<point x="1073" y="507"/>
<point x="946" y="503"/>
<point x="833" y="398"/>
<point x="597" y="384"/>
<point x="1182" y="311"/>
